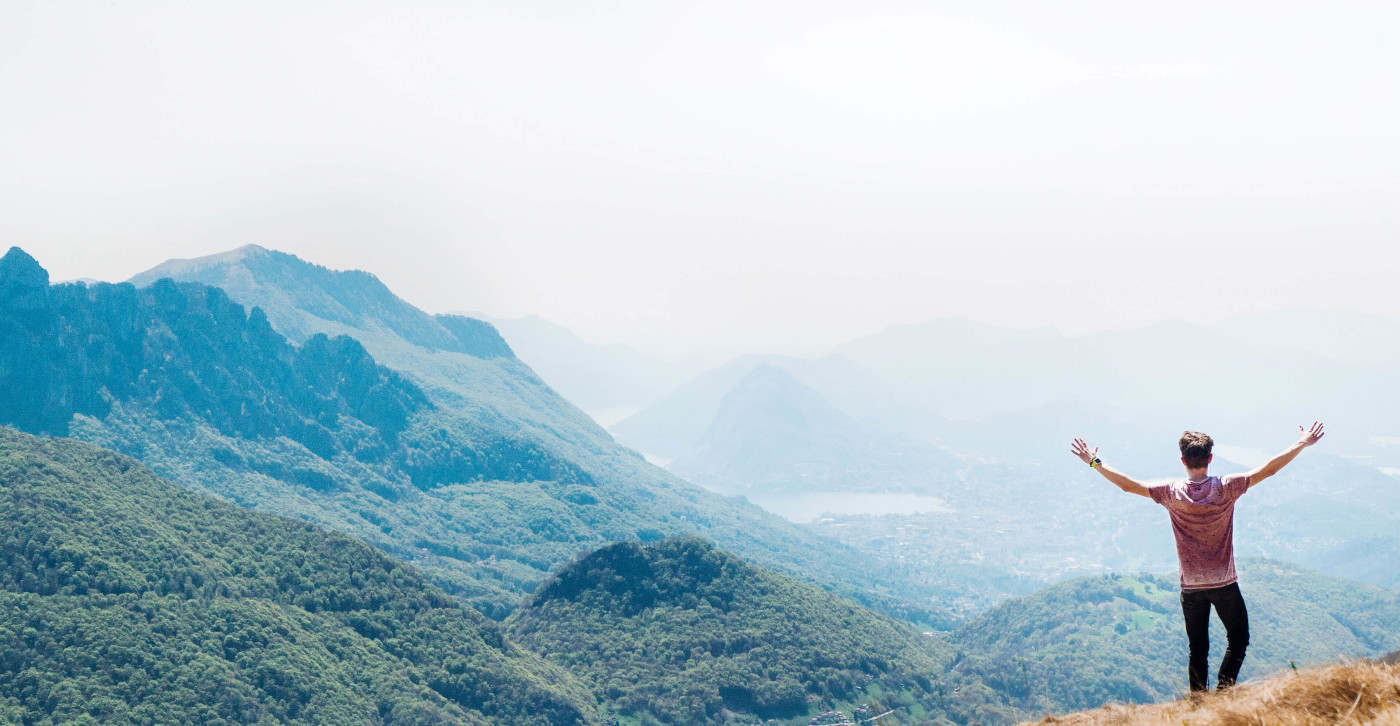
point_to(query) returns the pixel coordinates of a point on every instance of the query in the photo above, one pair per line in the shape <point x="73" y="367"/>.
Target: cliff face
<point x="189" y="351"/>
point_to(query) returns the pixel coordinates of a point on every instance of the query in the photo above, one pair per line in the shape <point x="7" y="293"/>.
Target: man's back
<point x="1203" y="521"/>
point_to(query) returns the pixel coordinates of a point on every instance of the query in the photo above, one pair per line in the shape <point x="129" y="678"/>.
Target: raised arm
<point x="1306" y="437"/>
<point x="1122" y="481"/>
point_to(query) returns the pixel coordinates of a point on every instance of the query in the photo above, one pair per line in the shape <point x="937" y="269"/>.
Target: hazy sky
<point x="745" y="175"/>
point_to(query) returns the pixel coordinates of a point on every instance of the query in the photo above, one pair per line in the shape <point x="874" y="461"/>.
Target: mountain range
<point x="326" y="401"/>
<point x="492" y="541"/>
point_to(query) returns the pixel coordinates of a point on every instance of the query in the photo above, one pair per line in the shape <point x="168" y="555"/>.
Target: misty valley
<point x="248" y="488"/>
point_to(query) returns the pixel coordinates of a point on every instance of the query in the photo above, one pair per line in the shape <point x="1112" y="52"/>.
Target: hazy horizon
<point x="777" y="177"/>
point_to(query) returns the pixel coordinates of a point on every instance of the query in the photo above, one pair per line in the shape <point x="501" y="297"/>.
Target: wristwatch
<point x="1097" y="461"/>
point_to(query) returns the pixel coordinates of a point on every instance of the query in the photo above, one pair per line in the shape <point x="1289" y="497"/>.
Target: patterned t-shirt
<point x="1203" y="520"/>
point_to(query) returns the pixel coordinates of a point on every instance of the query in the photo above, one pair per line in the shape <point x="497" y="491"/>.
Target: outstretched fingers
<point x="1080" y="448"/>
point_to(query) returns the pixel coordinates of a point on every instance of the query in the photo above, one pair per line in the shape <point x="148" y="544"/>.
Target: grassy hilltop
<point x="1358" y="692"/>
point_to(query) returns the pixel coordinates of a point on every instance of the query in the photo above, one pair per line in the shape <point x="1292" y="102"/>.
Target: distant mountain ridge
<point x="1239" y="376"/>
<point x="353" y="298"/>
<point x="773" y="434"/>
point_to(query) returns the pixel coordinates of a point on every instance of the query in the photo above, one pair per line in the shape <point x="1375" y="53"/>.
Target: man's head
<point x="1195" y="449"/>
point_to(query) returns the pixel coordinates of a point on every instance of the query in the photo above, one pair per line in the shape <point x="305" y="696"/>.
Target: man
<point x="1202" y="509"/>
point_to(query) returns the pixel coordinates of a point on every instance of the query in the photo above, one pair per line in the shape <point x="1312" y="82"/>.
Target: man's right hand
<point x="1310" y="436"/>
<point x="1081" y="450"/>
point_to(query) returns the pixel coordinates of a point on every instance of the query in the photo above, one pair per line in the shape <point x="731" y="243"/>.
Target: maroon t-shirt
<point x="1203" y="520"/>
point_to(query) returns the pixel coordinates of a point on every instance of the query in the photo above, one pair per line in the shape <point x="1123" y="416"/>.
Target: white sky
<point x="735" y="175"/>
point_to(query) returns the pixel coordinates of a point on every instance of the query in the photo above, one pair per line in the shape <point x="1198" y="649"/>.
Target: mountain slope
<point x="124" y="597"/>
<point x="1118" y="638"/>
<point x="685" y="633"/>
<point x="504" y="540"/>
<point x="673" y="425"/>
<point x="180" y="377"/>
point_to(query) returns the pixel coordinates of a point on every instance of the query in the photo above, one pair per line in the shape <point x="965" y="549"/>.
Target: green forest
<point x="127" y="599"/>
<point x="681" y="632"/>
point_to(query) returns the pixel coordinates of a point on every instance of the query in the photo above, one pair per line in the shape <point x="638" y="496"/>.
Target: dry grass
<point x="1362" y="692"/>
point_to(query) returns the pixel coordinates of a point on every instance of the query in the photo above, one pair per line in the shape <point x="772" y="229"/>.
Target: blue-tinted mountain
<point x="181" y="377"/>
<point x="127" y="599"/>
<point x="675" y="424"/>
<point x="185" y="351"/>
<point x="492" y="541"/>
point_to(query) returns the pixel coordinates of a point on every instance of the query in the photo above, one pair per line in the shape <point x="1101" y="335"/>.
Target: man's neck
<point x="1198" y="474"/>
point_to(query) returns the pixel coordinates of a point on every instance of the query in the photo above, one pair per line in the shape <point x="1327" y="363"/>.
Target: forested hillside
<point x="1082" y="643"/>
<point x="681" y="632"/>
<point x="209" y="395"/>
<point x="127" y="599"/>
<point x="495" y="543"/>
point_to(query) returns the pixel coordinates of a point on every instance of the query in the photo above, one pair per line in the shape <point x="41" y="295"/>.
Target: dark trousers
<point x="1229" y="605"/>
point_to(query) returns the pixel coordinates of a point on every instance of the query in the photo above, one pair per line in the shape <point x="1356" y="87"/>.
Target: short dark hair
<point x="1195" y="448"/>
